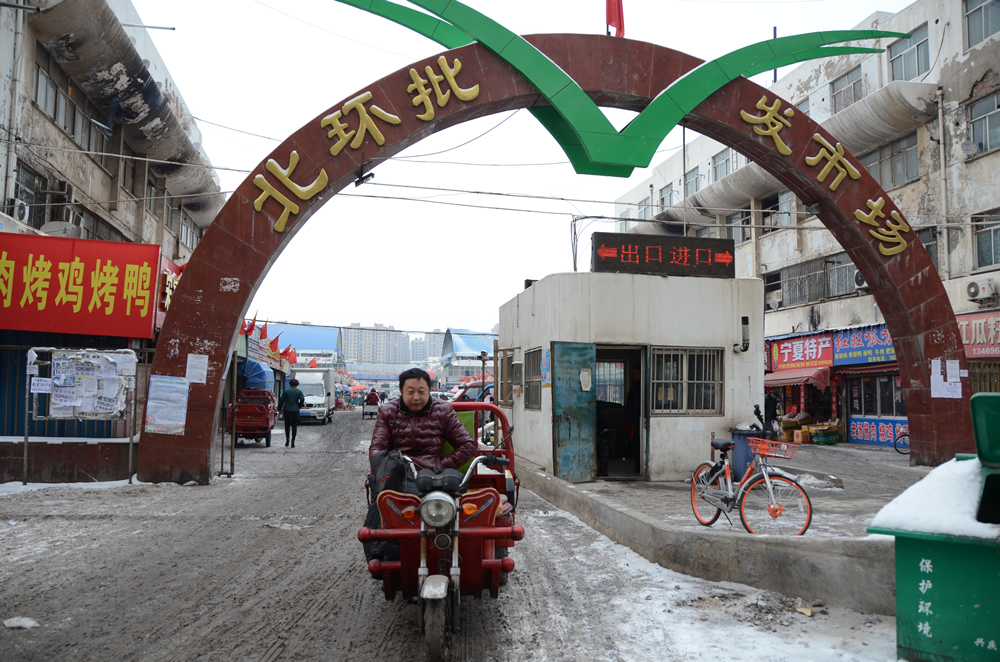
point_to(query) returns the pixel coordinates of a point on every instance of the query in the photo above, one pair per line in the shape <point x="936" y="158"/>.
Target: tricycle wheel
<point x="436" y="629"/>
<point x="267" y="439"/>
<point x="352" y="407"/>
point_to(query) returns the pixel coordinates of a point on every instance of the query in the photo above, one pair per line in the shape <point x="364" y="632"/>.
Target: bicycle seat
<point x="723" y="444"/>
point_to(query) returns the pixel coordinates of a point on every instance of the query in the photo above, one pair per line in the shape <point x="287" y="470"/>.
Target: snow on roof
<point x="944" y="502"/>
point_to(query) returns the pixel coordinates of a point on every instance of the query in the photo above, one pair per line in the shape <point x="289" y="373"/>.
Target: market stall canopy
<point x="257" y="374"/>
<point x="818" y="377"/>
<point x="358" y="387"/>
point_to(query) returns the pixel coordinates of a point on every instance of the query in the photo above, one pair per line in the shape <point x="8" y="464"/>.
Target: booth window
<point x="533" y="379"/>
<point x="687" y="381"/>
<point x="504" y="394"/>
<point x="879" y="396"/>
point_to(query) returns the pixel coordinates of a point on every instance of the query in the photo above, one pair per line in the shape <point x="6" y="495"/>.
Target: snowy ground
<point x="266" y="566"/>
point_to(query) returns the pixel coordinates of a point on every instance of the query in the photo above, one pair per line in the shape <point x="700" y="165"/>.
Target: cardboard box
<point x="802" y="436"/>
<point x="789" y="435"/>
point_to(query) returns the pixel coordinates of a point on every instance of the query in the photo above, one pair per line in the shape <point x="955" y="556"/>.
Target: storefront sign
<point x="662" y="255"/>
<point x="875" y="431"/>
<point x="870" y="344"/>
<point x="78" y="286"/>
<point x="980" y="334"/>
<point x="805" y="352"/>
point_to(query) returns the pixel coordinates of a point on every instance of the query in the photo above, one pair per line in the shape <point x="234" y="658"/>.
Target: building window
<point x="687" y="381"/>
<point x="624" y="223"/>
<point x="666" y="196"/>
<point x="847" y="90"/>
<point x="189" y="232"/>
<point x="778" y="211"/>
<point x="691" y="183"/>
<point x="816" y="280"/>
<point x="910" y="58"/>
<point x="609" y="382"/>
<point x="151" y="194"/>
<point x="128" y="172"/>
<point x="879" y="396"/>
<point x="93" y="227"/>
<point x="58" y="97"/>
<point x="723" y="163"/>
<point x="928" y="237"/>
<point x="705" y="232"/>
<point x="803" y="107"/>
<point x="170" y="211"/>
<point x="644" y="209"/>
<point x="985" y="116"/>
<point x="982" y="19"/>
<point x="505" y="362"/>
<point x="739" y="226"/>
<point x="894" y="164"/>
<point x="27" y="185"/>
<point x="533" y="379"/>
<point x="987" y="228"/>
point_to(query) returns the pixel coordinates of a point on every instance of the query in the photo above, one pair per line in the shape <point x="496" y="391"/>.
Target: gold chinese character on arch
<point x="770" y="123"/>
<point x="835" y="158"/>
<point x="365" y="124"/>
<point x="284" y="175"/>
<point x="890" y="240"/>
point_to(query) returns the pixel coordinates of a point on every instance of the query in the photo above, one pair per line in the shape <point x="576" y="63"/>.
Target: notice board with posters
<point x="80" y="286"/>
<point x="662" y="255"/>
<point x="82" y="384"/>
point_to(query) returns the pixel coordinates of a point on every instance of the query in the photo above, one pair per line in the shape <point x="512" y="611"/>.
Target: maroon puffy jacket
<point x="421" y="434"/>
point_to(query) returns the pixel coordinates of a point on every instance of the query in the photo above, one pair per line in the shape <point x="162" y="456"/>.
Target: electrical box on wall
<point x="517" y="375"/>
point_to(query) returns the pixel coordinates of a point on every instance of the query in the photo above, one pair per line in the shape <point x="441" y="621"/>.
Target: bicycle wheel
<point x="790" y="514"/>
<point x="704" y="512"/>
<point x="902" y="444"/>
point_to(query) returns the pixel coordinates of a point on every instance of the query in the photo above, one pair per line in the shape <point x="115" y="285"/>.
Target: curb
<point x="856" y="573"/>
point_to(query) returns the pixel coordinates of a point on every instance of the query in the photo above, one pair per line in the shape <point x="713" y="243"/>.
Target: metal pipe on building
<point x="944" y="185"/>
<point x="15" y="83"/>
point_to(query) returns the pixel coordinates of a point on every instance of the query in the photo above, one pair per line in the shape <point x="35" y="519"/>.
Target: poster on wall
<point x="869" y="344"/>
<point x="546" y="368"/>
<point x="803" y="352"/>
<point x="166" y="405"/>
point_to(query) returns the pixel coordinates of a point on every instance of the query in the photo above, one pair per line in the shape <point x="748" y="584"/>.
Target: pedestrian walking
<point x="290" y="402"/>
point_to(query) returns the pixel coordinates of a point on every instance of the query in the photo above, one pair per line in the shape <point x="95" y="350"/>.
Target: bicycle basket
<point x="767" y="448"/>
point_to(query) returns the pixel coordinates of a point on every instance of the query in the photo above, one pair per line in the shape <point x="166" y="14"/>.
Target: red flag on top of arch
<point x="616" y="17"/>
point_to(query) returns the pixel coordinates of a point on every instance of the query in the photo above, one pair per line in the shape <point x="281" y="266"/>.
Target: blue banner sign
<point x="868" y="344"/>
<point x="875" y="431"/>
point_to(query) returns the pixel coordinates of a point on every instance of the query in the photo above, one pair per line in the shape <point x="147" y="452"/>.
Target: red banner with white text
<point x="82" y="286"/>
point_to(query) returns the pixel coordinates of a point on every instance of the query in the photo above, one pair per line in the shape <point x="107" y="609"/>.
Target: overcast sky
<point x="268" y="67"/>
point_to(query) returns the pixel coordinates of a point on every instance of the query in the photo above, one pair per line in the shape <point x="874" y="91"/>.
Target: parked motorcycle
<point x="453" y="537"/>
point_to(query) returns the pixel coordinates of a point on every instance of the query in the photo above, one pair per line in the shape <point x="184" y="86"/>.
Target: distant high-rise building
<point x="418" y="349"/>
<point x="434" y="341"/>
<point x="378" y="344"/>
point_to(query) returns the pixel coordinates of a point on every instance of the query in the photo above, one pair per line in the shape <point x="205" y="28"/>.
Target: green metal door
<point x="574" y="410"/>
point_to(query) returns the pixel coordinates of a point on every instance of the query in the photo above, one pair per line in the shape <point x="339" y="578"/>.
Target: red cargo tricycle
<point x="454" y="539"/>
<point x="252" y="416"/>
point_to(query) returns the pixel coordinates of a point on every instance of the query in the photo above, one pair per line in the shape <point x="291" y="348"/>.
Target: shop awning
<point x="818" y="377"/>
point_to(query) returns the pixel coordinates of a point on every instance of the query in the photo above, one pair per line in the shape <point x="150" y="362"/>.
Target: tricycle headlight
<point x="437" y="509"/>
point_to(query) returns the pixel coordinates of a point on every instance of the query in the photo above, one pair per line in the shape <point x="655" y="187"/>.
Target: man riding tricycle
<point x="441" y="515"/>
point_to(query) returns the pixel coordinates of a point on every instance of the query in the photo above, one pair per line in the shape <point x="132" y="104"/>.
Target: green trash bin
<point x="947" y="575"/>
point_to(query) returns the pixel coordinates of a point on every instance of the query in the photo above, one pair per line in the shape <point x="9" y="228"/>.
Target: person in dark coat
<point x="292" y="399"/>
<point x="418" y="426"/>
<point x="372" y="398"/>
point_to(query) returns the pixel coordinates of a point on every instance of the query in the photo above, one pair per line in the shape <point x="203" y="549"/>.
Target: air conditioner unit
<point x="21" y="210"/>
<point x="860" y="285"/>
<point x="517" y="373"/>
<point x="980" y="289"/>
<point x="773" y="299"/>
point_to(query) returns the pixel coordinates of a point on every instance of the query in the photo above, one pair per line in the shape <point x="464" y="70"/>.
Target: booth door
<point x="574" y="410"/>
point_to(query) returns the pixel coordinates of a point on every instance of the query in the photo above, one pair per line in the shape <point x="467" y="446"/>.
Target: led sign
<point x="662" y="255"/>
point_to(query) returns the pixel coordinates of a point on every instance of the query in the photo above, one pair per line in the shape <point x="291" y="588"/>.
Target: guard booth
<point x="693" y="342"/>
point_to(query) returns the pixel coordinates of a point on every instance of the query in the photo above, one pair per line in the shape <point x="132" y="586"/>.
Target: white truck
<point x="316" y="385"/>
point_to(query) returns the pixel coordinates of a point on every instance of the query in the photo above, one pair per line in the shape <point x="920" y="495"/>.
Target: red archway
<point x="329" y="152"/>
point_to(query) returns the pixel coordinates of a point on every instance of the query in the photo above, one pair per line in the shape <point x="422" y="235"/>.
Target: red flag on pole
<point x="274" y="343"/>
<point x="253" y="325"/>
<point x="616" y="17"/>
<point x="312" y="363"/>
<point x="293" y="357"/>
<point x="243" y="328"/>
<point x="263" y="331"/>
<point x="285" y="352"/>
